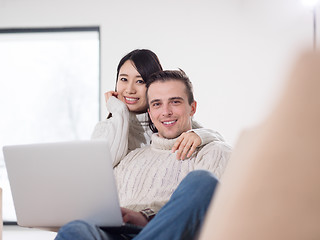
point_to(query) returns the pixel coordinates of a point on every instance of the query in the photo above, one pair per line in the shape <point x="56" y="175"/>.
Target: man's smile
<point x="169" y="123"/>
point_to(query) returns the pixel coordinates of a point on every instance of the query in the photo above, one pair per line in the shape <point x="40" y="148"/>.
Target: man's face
<point x="169" y="108"/>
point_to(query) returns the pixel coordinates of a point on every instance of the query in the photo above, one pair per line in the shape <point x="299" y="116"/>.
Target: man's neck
<point x="161" y="143"/>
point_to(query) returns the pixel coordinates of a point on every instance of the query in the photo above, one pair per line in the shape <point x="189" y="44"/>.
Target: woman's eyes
<point x="140" y="81"/>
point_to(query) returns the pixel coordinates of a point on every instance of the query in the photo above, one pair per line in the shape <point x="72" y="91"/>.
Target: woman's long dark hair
<point x="145" y="61"/>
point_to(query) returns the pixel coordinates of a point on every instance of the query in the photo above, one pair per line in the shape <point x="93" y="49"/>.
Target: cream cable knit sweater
<point x="147" y="176"/>
<point x="126" y="131"/>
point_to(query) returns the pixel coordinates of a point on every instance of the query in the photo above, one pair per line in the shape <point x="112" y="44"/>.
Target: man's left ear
<point x="148" y="110"/>
<point x="193" y="108"/>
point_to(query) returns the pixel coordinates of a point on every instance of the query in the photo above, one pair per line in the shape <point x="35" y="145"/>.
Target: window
<point x="49" y="89"/>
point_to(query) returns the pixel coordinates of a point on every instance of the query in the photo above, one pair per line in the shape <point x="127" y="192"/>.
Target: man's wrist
<point x="148" y="213"/>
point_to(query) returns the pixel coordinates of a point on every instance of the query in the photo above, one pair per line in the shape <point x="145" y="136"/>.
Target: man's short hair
<point x="170" y="75"/>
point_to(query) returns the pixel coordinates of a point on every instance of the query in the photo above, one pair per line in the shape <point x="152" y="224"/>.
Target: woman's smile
<point x="131" y="100"/>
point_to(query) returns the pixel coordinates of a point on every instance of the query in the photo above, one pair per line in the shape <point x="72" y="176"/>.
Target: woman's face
<point x="132" y="88"/>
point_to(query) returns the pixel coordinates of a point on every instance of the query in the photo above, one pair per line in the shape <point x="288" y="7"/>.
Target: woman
<point x="127" y="127"/>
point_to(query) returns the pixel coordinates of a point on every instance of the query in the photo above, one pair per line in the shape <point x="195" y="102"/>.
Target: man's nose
<point x="167" y="110"/>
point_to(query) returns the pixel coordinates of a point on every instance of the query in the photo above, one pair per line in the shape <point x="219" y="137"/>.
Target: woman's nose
<point x="130" y="89"/>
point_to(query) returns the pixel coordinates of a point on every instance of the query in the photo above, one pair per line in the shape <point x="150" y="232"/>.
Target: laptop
<point x="55" y="183"/>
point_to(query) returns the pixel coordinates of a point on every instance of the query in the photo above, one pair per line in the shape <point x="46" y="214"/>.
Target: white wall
<point x="236" y="52"/>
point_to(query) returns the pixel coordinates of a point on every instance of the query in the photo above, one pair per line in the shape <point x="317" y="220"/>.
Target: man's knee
<point x="77" y="225"/>
<point x="202" y="178"/>
<point x="200" y="183"/>
<point x="74" y="229"/>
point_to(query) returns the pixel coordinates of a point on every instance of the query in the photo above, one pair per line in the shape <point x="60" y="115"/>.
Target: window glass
<point x="49" y="90"/>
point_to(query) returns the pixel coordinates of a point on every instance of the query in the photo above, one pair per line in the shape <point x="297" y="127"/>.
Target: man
<point x="148" y="178"/>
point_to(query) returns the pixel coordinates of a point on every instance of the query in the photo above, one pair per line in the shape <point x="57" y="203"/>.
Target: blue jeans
<point x="180" y="218"/>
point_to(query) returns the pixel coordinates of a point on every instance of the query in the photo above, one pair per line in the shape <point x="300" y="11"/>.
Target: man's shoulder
<point x="137" y="151"/>
<point x="216" y="146"/>
<point x="133" y="156"/>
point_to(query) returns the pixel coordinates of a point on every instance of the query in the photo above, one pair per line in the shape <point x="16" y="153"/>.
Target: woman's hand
<point x="109" y="94"/>
<point x="186" y="144"/>
<point x="136" y="218"/>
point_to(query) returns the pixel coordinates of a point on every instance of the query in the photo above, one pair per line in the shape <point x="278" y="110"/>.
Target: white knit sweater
<point x="147" y="176"/>
<point x="126" y="131"/>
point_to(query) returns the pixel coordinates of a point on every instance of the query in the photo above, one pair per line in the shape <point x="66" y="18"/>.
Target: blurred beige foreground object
<point x="271" y="188"/>
<point x="1" y="214"/>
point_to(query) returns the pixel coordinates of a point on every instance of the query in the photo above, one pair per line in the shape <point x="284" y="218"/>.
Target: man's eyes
<point x="155" y="104"/>
<point x="176" y="102"/>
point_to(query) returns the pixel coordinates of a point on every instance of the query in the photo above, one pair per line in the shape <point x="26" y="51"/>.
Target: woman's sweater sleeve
<point x="206" y="135"/>
<point x="214" y="157"/>
<point x="115" y="129"/>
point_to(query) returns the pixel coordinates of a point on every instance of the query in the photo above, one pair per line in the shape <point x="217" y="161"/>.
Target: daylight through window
<point x="49" y="89"/>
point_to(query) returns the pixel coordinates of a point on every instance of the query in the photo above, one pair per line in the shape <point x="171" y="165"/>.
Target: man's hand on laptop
<point x="136" y="218"/>
<point x="186" y="144"/>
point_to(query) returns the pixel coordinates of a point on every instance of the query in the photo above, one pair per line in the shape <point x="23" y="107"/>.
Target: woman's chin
<point x="136" y="110"/>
